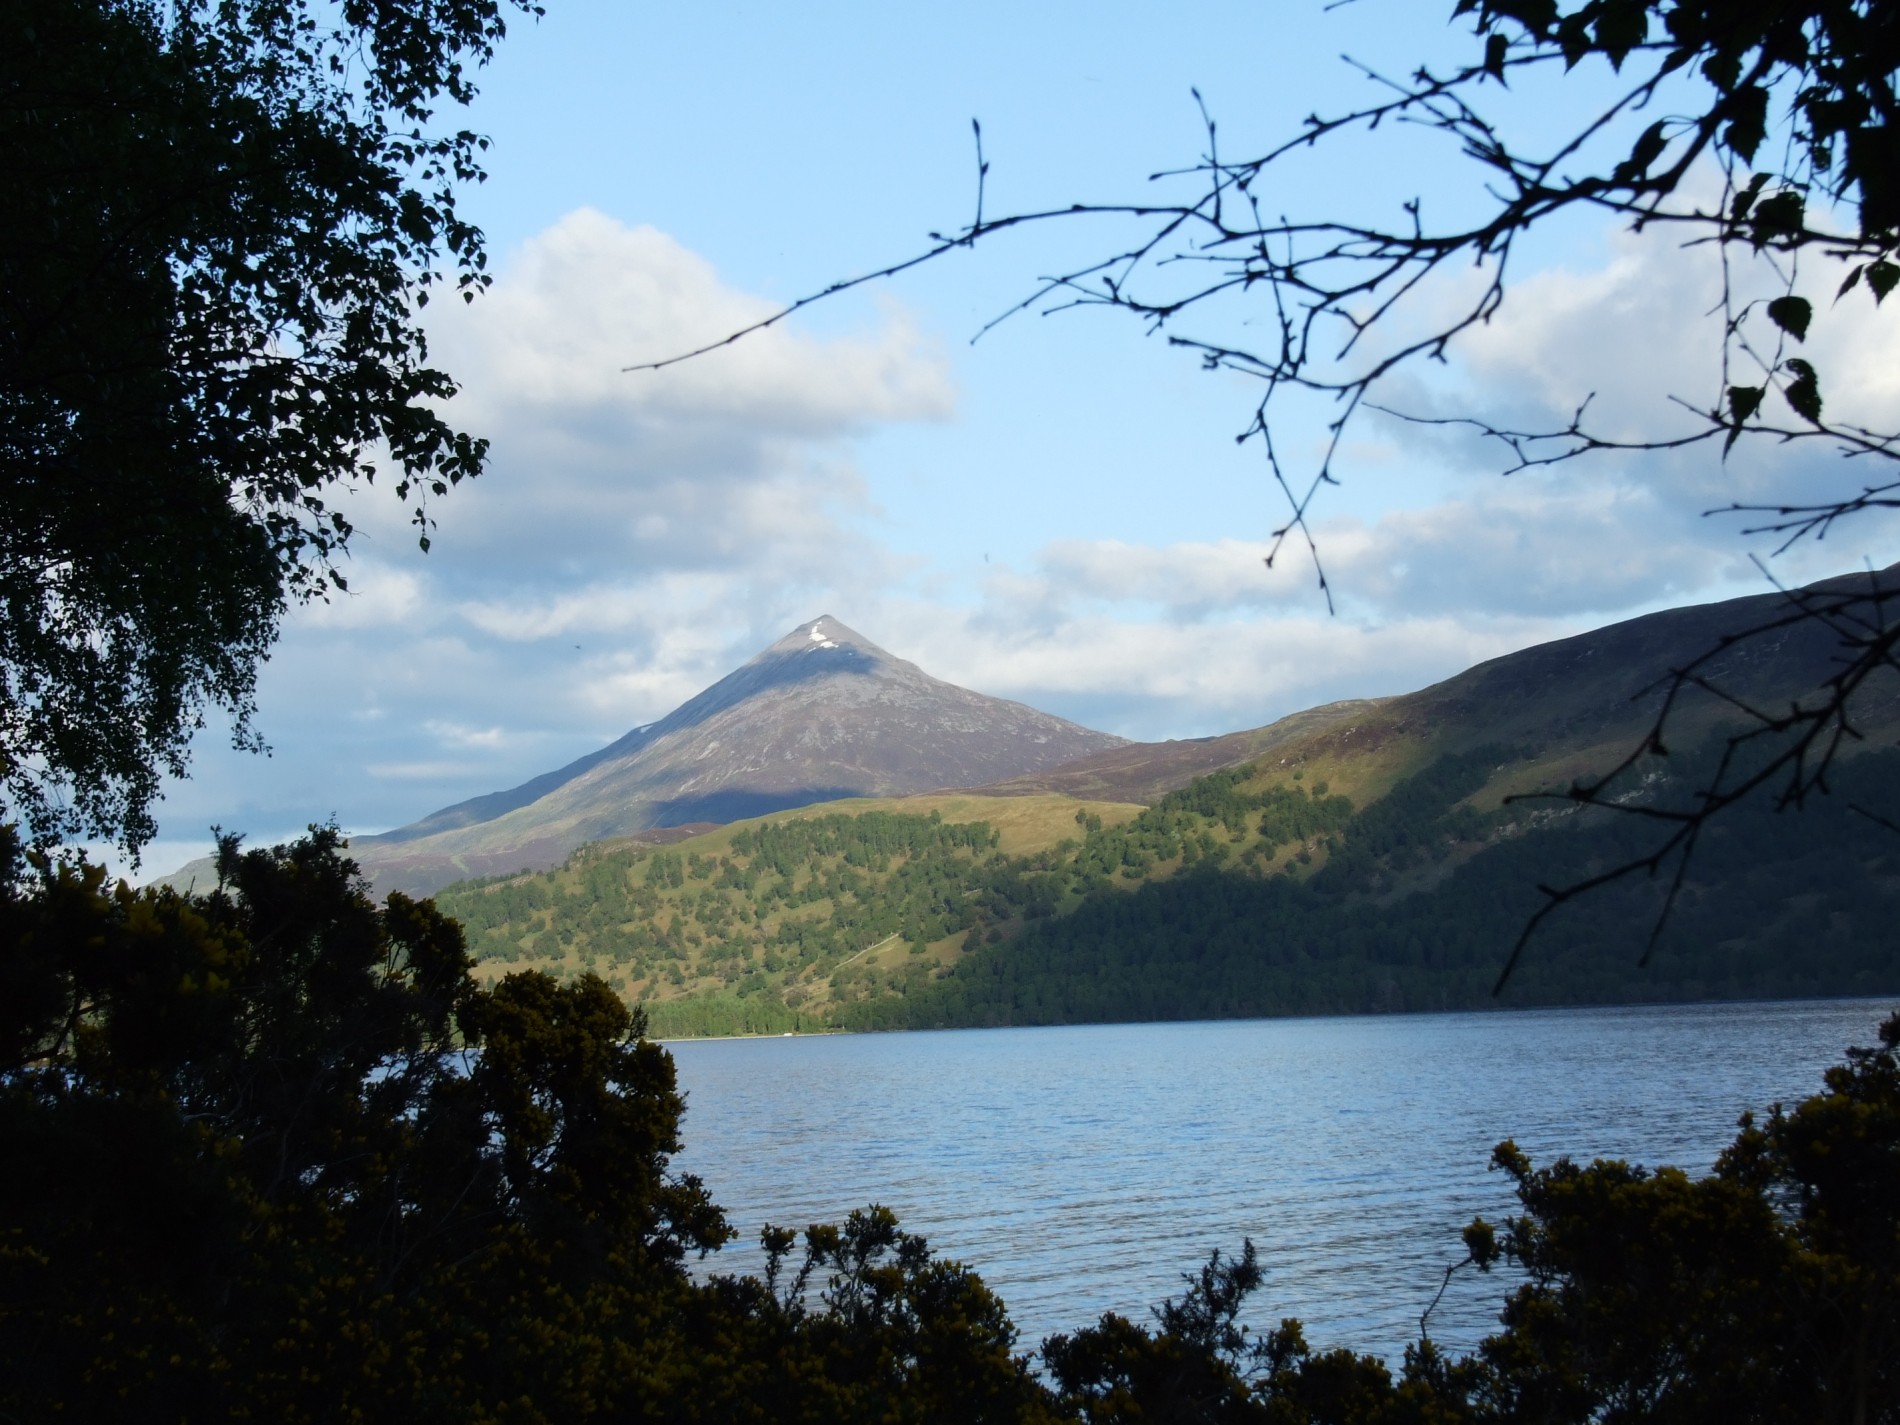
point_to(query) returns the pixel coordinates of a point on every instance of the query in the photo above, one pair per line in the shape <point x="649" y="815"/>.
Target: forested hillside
<point x="1253" y="891"/>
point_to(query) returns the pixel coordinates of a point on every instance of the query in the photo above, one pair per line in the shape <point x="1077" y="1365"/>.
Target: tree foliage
<point x="1769" y="1290"/>
<point x="287" y="1161"/>
<point x="217" y="223"/>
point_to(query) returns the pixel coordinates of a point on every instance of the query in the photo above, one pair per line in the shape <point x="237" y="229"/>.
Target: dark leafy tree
<point x="1766" y="1291"/>
<point x="894" y="1333"/>
<point x="217" y="223"/>
<point x="288" y="1162"/>
<point x="1193" y="1368"/>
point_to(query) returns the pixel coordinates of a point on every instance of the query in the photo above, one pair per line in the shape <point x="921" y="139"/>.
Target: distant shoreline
<point x="782" y="1034"/>
<point x="1891" y="999"/>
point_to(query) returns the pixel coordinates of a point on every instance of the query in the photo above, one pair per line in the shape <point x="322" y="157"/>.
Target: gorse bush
<point x="289" y="1162"/>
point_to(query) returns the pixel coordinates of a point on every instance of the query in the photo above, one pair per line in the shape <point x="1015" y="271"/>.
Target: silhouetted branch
<point x="1874" y="817"/>
<point x="1801" y="744"/>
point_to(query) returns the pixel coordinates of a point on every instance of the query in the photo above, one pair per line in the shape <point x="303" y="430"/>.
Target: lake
<point x="1084" y="1168"/>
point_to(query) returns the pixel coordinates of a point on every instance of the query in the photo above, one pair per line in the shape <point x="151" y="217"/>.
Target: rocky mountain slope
<point x="823" y="713"/>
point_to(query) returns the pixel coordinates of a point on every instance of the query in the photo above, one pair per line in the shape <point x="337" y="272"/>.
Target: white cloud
<point x="601" y="470"/>
<point x="1643" y="333"/>
<point x="378" y="596"/>
<point x="420" y="771"/>
<point x="1154" y="677"/>
<point x="590" y="297"/>
<point x="1647" y="326"/>
<point x="454" y="734"/>
<point x="1636" y="335"/>
<point x="1515" y="544"/>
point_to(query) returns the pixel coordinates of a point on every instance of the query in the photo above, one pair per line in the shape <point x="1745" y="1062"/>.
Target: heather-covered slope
<point x="1573" y="705"/>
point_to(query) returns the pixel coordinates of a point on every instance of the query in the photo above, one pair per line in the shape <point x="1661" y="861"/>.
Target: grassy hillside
<point x="1422" y="898"/>
<point x="783" y="922"/>
<point x="1263" y="889"/>
<point x="766" y="925"/>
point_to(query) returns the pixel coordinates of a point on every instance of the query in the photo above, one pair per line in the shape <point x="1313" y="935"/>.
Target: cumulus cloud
<point x="604" y="470"/>
<point x="378" y="596"/>
<point x="1635" y="335"/>
<point x="455" y="734"/>
<point x="591" y="296"/>
<point x="1153" y="677"/>
<point x="1519" y="545"/>
<point x="1647" y="325"/>
<point x="1639" y="335"/>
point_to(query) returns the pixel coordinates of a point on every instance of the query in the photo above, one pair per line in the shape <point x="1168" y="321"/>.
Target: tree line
<point x="1238" y="895"/>
<point x="1354" y="937"/>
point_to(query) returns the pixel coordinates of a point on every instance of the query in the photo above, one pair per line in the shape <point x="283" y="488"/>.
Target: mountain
<point x="823" y="713"/>
<point x="1578" y="704"/>
<point x="1363" y="855"/>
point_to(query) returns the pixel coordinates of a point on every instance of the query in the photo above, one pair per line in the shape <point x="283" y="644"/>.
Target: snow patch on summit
<point x="818" y="635"/>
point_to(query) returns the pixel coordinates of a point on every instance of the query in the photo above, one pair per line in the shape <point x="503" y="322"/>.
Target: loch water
<point x="1084" y="1168"/>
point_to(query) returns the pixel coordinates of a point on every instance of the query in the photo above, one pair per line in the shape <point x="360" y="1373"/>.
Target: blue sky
<point x="1056" y="513"/>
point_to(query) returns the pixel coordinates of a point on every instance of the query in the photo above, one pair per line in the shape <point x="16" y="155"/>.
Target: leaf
<point x="1778" y="217"/>
<point x="1873" y="158"/>
<point x="1622" y="25"/>
<point x="1792" y="315"/>
<point x="1853" y="281"/>
<point x="1881" y="277"/>
<point x="1573" y="40"/>
<point x="1748" y="121"/>
<point x="1743" y="402"/>
<point x="1804" y="392"/>
<point x="1536" y="16"/>
<point x="1481" y="1240"/>
<point x="1744" y="200"/>
<point x="1495" y="49"/>
<point x="1647" y="148"/>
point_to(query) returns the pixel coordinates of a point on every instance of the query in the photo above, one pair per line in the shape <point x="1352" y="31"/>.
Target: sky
<point x="1057" y="512"/>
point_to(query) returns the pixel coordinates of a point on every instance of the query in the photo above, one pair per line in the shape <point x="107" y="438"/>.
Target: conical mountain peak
<point x="823" y="713"/>
<point x="826" y="634"/>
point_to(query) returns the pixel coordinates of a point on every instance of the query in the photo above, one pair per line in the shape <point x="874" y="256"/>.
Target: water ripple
<point x="1084" y="1169"/>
